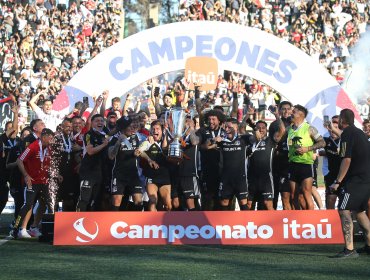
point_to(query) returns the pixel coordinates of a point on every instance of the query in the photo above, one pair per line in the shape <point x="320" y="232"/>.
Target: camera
<point x="85" y="100"/>
<point x="156" y="91"/>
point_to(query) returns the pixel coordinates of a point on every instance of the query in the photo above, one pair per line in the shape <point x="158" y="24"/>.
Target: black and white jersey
<point x="155" y="152"/>
<point x="332" y="154"/>
<point x="261" y="156"/>
<point x="210" y="158"/>
<point x="91" y="165"/>
<point x="125" y="163"/>
<point x="234" y="155"/>
<point x="189" y="165"/>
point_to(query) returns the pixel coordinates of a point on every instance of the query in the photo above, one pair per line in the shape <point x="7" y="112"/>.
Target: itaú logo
<point x="84" y="228"/>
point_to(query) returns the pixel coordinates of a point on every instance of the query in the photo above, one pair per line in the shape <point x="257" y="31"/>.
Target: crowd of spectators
<point x="44" y="43"/>
<point x="325" y="30"/>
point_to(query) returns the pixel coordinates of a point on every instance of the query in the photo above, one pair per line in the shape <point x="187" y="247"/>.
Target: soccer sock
<point x="138" y="207"/>
<point x="244" y="207"/>
<point x="192" y="209"/>
<point x="17" y="222"/>
<point x="115" y="208"/>
<point x="224" y="208"/>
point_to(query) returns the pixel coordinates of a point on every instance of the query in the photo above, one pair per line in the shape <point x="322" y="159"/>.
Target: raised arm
<point x="98" y="103"/>
<point x="234" y="111"/>
<point x="33" y="100"/>
<point x="280" y="133"/>
<point x="127" y="104"/>
<point x="105" y="96"/>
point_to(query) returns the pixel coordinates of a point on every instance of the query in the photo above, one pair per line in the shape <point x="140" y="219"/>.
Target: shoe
<point x="34" y="232"/>
<point x="14" y="233"/>
<point x="346" y="254"/>
<point x="364" y="250"/>
<point x="23" y="234"/>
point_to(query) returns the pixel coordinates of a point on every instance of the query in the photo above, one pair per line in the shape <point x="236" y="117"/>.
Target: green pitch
<point x="30" y="259"/>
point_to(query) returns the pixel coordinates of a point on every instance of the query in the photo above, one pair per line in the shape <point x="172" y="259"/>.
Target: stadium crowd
<point x="117" y="158"/>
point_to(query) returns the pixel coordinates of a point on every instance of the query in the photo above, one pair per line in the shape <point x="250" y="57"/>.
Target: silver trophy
<point x="175" y="119"/>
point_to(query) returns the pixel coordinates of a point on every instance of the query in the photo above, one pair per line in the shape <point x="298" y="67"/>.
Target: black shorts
<point x="354" y="195"/>
<point x="329" y="180"/>
<point x="158" y="181"/>
<point x="284" y="185"/>
<point x="126" y="187"/>
<point x="174" y="186"/>
<point x="261" y="188"/>
<point x="70" y="187"/>
<point x="261" y="108"/>
<point x="300" y="171"/>
<point x="189" y="187"/>
<point x="210" y="184"/>
<point x="38" y="191"/>
<point x="233" y="185"/>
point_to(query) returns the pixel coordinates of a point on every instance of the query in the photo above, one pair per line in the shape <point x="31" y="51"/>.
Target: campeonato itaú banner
<point x="227" y="228"/>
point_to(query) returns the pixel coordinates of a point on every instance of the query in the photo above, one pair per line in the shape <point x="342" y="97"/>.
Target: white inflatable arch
<point x="245" y="50"/>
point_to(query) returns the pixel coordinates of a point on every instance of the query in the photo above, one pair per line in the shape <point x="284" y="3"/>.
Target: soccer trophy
<point x="175" y="119"/>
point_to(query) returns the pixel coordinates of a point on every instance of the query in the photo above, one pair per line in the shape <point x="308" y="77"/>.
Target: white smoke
<point x="357" y="82"/>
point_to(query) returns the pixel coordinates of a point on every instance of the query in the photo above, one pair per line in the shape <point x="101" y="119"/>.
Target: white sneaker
<point x="34" y="232"/>
<point x="23" y="234"/>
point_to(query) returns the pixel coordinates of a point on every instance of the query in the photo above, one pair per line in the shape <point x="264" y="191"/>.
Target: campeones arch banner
<point x="227" y="228"/>
<point x="249" y="51"/>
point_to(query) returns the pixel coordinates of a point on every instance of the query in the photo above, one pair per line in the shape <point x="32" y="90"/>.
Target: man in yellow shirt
<point x="303" y="140"/>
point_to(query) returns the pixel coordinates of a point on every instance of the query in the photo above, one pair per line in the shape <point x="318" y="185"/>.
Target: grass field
<point x="30" y="259"/>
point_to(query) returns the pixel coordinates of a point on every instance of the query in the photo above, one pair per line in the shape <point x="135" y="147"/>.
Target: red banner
<point x="228" y="228"/>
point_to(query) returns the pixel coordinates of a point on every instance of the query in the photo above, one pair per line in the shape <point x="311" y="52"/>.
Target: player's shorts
<point x="354" y="195"/>
<point x="159" y="182"/>
<point x="188" y="187"/>
<point x="233" y="185"/>
<point x="300" y="171"/>
<point x="261" y="188"/>
<point x="284" y="185"/>
<point x="127" y="187"/>
<point x="329" y="180"/>
<point x="210" y="184"/>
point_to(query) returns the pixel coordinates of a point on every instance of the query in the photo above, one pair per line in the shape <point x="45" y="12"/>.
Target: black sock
<point x="224" y="208"/>
<point x="138" y="207"/>
<point x="192" y="209"/>
<point x="244" y="207"/>
<point x="115" y="208"/>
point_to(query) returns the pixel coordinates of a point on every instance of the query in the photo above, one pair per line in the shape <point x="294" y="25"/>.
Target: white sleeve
<point x="39" y="113"/>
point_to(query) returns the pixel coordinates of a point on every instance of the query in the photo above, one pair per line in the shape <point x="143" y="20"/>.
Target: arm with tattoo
<point x="319" y="142"/>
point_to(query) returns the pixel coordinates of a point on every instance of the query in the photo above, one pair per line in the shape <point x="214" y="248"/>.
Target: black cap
<point x="123" y="123"/>
<point x="47" y="131"/>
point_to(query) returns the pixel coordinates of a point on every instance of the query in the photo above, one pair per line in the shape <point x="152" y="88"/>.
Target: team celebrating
<point x="118" y="160"/>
